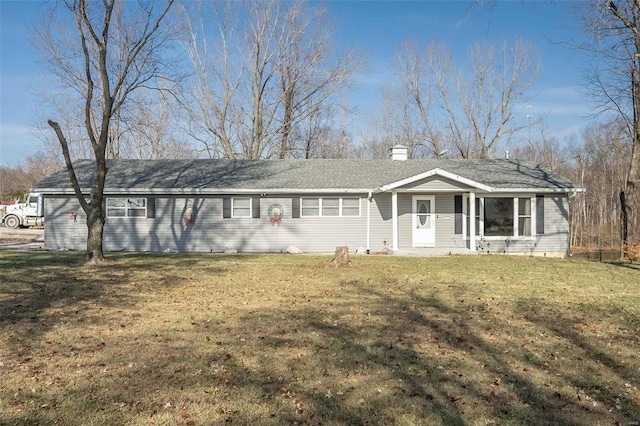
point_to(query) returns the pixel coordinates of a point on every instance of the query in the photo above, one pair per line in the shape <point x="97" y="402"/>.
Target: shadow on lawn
<point x="433" y="362"/>
<point x="41" y="290"/>
<point x="626" y="264"/>
<point x="442" y="382"/>
<point x="426" y="357"/>
<point x="605" y="374"/>
<point x="460" y="375"/>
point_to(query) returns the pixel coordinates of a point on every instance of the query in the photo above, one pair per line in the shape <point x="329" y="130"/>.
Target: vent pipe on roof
<point x="399" y="153"/>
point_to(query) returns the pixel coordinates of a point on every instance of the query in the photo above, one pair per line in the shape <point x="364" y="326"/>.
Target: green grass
<point x="204" y="340"/>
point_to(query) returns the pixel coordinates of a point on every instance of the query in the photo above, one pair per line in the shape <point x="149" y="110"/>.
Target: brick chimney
<point x="399" y="153"/>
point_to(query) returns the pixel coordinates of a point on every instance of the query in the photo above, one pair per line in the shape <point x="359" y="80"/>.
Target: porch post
<point x="394" y="219"/>
<point x="472" y="221"/>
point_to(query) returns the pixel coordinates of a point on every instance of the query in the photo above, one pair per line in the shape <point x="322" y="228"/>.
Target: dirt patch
<point x="21" y="235"/>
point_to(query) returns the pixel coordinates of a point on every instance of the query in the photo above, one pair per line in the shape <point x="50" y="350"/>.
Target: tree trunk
<point x="341" y="257"/>
<point x="633" y="178"/>
<point x="625" y="219"/>
<point x="95" y="227"/>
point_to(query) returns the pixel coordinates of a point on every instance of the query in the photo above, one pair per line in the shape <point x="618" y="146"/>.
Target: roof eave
<point x="206" y="191"/>
<point x="555" y="190"/>
<point x="434" y="172"/>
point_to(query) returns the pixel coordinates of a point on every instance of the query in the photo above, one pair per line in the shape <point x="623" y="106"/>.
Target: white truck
<point x="30" y="213"/>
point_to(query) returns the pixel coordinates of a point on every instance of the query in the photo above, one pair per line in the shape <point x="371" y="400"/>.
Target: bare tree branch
<point x="118" y="56"/>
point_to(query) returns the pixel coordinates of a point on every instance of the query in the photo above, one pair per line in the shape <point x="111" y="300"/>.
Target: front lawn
<point x="260" y="340"/>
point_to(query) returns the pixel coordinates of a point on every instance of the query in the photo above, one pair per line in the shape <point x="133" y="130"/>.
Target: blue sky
<point x="375" y="27"/>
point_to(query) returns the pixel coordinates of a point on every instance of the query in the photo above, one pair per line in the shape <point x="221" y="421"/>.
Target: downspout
<point x="369" y="199"/>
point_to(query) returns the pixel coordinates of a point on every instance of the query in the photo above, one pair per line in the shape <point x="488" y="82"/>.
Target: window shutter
<point x="539" y="214"/>
<point x="226" y="208"/>
<point x="255" y="207"/>
<point x="295" y="207"/>
<point x="457" y="208"/>
<point x="151" y="208"/>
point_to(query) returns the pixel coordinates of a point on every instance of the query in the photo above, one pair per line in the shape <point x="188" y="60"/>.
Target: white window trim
<point x="126" y="207"/>
<point x="340" y="207"/>
<point x="233" y="211"/>
<point x="516" y="218"/>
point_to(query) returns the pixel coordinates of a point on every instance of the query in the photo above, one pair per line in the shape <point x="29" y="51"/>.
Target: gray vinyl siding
<point x="381" y="222"/>
<point x="60" y="231"/>
<point x="445" y="223"/>
<point x="556" y="225"/>
<point x="210" y="232"/>
<point x="405" y="221"/>
<point x="434" y="183"/>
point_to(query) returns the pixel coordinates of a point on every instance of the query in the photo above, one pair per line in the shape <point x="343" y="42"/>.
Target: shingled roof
<point x="288" y="176"/>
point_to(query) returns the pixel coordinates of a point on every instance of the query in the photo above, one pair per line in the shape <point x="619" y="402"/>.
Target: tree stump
<point x="341" y="258"/>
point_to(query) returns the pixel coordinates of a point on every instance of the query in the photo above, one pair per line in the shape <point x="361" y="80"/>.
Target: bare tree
<point x="544" y="149"/>
<point x="600" y="164"/>
<point x="17" y="180"/>
<point x="309" y="74"/>
<point x="471" y="113"/>
<point x="422" y="86"/>
<point x="152" y="129"/>
<point x="271" y="66"/>
<point x="615" y="82"/>
<point x="404" y="121"/>
<point x="115" y="50"/>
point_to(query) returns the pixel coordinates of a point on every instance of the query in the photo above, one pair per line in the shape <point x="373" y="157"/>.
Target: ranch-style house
<point x="417" y="207"/>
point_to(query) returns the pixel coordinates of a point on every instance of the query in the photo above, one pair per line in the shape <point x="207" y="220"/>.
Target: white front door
<point x="424" y="221"/>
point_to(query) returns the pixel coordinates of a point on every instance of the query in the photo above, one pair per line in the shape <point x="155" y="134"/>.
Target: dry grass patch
<point x="201" y="340"/>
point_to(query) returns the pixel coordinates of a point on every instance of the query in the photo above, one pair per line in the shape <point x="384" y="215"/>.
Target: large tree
<point x="467" y="110"/>
<point x="260" y="70"/>
<point x="101" y="52"/>
<point x="615" y="81"/>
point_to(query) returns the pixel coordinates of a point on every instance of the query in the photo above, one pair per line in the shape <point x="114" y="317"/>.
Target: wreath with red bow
<point x="276" y="211"/>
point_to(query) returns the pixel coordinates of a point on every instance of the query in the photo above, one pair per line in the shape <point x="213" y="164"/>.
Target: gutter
<point x="206" y="191"/>
<point x="492" y="190"/>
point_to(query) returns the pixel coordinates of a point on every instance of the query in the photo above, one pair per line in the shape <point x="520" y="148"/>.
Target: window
<point x="330" y="207"/>
<point x="126" y="207"/>
<point x="351" y="207"/>
<point x="241" y="207"/>
<point x="506" y="216"/>
<point x="478" y="216"/>
<point x="498" y="216"/>
<point x="524" y="216"/>
<point x="311" y="207"/>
